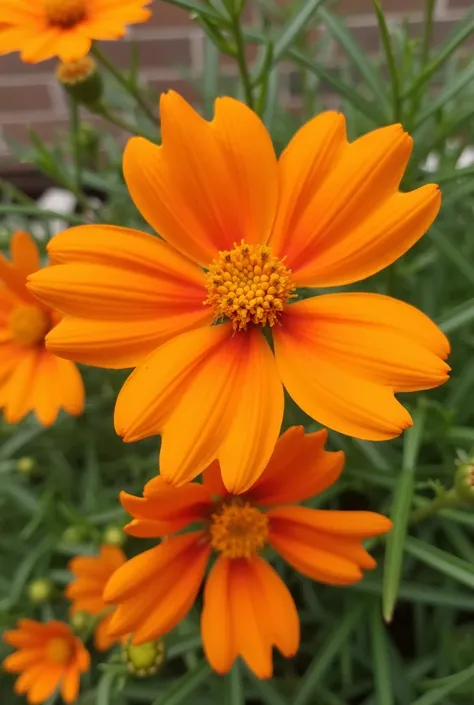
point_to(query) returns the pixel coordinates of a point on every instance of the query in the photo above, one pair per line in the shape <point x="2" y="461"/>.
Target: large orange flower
<point x="247" y="607"/>
<point x="49" y="656"/>
<point x="242" y="232"/>
<point x="31" y="377"/>
<point x="91" y="575"/>
<point x="41" y="29"/>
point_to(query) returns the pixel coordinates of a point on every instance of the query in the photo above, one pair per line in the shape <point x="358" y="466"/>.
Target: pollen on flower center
<point x="29" y="325"/>
<point x="248" y="285"/>
<point x="60" y="650"/>
<point x="65" y="13"/>
<point x="238" y="530"/>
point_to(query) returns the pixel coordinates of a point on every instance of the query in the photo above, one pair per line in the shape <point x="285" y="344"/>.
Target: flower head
<point x="91" y="574"/>
<point x="49" y="656"/>
<point x="41" y="29"/>
<point x="31" y="377"/>
<point x="247" y="607"/>
<point x="242" y="232"/>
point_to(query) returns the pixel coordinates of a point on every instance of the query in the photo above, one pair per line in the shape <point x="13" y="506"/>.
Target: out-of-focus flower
<point x="242" y="231"/>
<point x="31" y="377"/>
<point x="247" y="607"/>
<point x="49" y="656"/>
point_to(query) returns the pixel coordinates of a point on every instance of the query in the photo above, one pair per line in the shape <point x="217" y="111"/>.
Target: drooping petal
<point x="353" y="351"/>
<point x="45" y="685"/>
<point x="216" y="619"/>
<point x="211" y="184"/>
<point x="102" y="640"/>
<point x="25" y="255"/>
<point x="70" y="684"/>
<point x="16" y="394"/>
<point x="341" y="190"/>
<point x="18" y="661"/>
<point x="299" y="468"/>
<point x="209" y="394"/>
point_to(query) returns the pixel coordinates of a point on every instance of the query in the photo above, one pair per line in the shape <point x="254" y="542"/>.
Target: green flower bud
<point x="81" y="622"/>
<point x="81" y="80"/>
<point x="464" y="480"/>
<point x="114" y="535"/>
<point x="41" y="590"/>
<point x="144" y="660"/>
<point x="26" y="465"/>
<point x="74" y="534"/>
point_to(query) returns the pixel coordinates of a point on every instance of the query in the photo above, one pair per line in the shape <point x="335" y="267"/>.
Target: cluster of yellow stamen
<point x="65" y="13"/>
<point x="238" y="530"/>
<point x="76" y="71"/>
<point x="29" y="325"/>
<point x="248" y="285"/>
<point x="60" y="650"/>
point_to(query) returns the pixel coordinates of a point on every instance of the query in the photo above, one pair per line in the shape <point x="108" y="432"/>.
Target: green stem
<point x="108" y="115"/>
<point x="242" y="61"/>
<point x="76" y="145"/>
<point x="124" y="82"/>
<point x="35" y="212"/>
<point x="428" y="32"/>
<point x="448" y="500"/>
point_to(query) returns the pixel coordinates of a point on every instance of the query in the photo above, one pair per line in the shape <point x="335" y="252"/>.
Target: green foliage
<point x="61" y="503"/>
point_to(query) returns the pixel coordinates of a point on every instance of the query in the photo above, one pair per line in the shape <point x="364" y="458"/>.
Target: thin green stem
<point x="131" y="88"/>
<point x="242" y="60"/>
<point x="428" y="32"/>
<point x="111" y="117"/>
<point x="76" y="145"/>
<point x="35" y="212"/>
<point x="448" y="500"/>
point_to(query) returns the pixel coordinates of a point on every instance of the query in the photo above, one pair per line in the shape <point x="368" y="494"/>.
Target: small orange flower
<point x="247" y="607"/>
<point x="242" y="232"/>
<point x="49" y="656"/>
<point x="31" y="378"/>
<point x="91" y="576"/>
<point x="41" y="29"/>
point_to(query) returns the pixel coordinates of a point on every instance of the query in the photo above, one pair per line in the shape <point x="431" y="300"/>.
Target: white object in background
<point x="431" y="163"/>
<point x="59" y="201"/>
<point x="466" y="158"/>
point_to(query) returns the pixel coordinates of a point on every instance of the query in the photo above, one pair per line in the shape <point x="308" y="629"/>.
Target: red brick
<point x="49" y="131"/>
<point x="184" y="88"/>
<point x="165" y="15"/>
<point x="12" y="64"/>
<point x="460" y="3"/>
<point x="24" y="98"/>
<point x="400" y="6"/>
<point x="153" y="53"/>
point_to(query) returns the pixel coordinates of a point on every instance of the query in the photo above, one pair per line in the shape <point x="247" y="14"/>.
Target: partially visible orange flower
<point x="242" y="231"/>
<point x="247" y="607"/>
<point x="49" y="656"/>
<point x="91" y="576"/>
<point x="31" y="377"/>
<point x="41" y="29"/>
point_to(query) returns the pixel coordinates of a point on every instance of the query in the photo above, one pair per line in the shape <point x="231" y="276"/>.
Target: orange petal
<point x="14" y="281"/>
<point x="24" y="252"/>
<point x="102" y="640"/>
<point x="299" y="468"/>
<point x="30" y="677"/>
<point x="112" y="555"/>
<point x="354" y="351"/>
<point x="45" y="685"/>
<point x="355" y="180"/>
<point x="216" y="619"/>
<point x="193" y="403"/>
<point x="211" y="184"/>
<point x="17" y="394"/>
<point x="249" y="624"/>
<point x="212" y="479"/>
<point x="138" y="571"/>
<point x="376" y="242"/>
<point x="70" y="684"/>
<point x="14" y="663"/>
<point x="342" y="523"/>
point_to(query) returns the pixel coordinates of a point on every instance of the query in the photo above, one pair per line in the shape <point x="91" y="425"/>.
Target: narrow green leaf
<point x="452" y="252"/>
<point x="357" y="55"/>
<point x="25" y="569"/>
<point x="445" y="686"/>
<point x="233" y="689"/>
<point x="458" y="317"/>
<point x="381" y="659"/>
<point x="198" y="8"/>
<point x="391" y="63"/>
<point x="294" y="26"/>
<point x="399" y="515"/>
<point x="210" y="76"/>
<point x="104" y="690"/>
<point x="452" y="566"/>
<point x="328" y="651"/>
<point x="19" y="440"/>
<point x="421" y="594"/>
<point x="184" y="686"/>
<point x="267" y="691"/>
<point x="453" y="87"/>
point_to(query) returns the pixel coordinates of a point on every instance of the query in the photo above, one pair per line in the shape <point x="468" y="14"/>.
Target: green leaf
<point x="357" y="55"/>
<point x="452" y="252"/>
<point x="443" y="562"/>
<point x="267" y="691"/>
<point x="19" y="440"/>
<point x="453" y="88"/>
<point x="104" y="690"/>
<point x="458" y="317"/>
<point x="400" y="515"/>
<point x="445" y="686"/>
<point x="391" y="63"/>
<point x="327" y="653"/>
<point x="381" y="659"/>
<point x="198" y="8"/>
<point x="297" y="23"/>
<point x="421" y="594"/>
<point x="233" y="688"/>
<point x="184" y="686"/>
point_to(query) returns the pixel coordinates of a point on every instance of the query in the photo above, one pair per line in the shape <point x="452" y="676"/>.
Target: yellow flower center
<point x="29" y="325"/>
<point x="248" y="285"/>
<point x="60" y="650"/>
<point x="76" y="71"/>
<point x="238" y="530"/>
<point x="65" y="13"/>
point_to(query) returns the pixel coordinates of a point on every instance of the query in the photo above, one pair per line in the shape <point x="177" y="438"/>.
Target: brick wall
<point x="171" y="50"/>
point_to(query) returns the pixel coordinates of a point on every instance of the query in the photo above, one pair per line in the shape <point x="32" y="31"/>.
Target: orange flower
<point x="48" y="656"/>
<point x="247" y="608"/>
<point x="85" y="592"/>
<point x="31" y="378"/>
<point x="327" y="213"/>
<point x="41" y="29"/>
